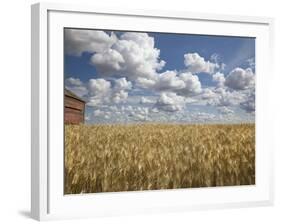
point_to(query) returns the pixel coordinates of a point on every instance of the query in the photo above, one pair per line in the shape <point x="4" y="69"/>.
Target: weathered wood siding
<point x="73" y="103"/>
<point x="73" y="110"/>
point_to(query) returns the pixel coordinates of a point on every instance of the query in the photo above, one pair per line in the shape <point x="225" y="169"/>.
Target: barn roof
<point x="72" y="95"/>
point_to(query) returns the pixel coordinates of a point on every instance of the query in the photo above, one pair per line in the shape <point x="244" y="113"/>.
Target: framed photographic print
<point x="148" y="111"/>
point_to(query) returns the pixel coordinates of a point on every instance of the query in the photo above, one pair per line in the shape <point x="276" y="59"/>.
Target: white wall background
<point x="15" y="110"/>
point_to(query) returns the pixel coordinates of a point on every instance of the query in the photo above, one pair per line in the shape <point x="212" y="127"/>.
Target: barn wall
<point x="73" y="111"/>
<point x="73" y="103"/>
<point x="73" y="116"/>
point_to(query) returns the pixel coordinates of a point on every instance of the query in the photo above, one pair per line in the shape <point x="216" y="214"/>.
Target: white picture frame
<point x="47" y="198"/>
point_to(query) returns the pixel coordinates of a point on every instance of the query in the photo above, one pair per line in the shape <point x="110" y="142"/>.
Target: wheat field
<point x="113" y="158"/>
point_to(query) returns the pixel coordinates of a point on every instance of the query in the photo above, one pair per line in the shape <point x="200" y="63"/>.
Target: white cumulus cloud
<point x="196" y="64"/>
<point x="170" y="102"/>
<point x="219" y="79"/>
<point x="99" y="86"/>
<point x="169" y="80"/>
<point x="192" y="84"/>
<point x="225" y="110"/>
<point x="240" y="79"/>
<point x="108" y="61"/>
<point x="208" y="94"/>
<point x="98" y="92"/>
<point x="146" y="100"/>
<point x="122" y="84"/>
<point x="133" y="55"/>
<point x="249" y="104"/>
<point x="224" y="98"/>
<point x="78" y="41"/>
<point x="76" y="86"/>
<point x="185" y="84"/>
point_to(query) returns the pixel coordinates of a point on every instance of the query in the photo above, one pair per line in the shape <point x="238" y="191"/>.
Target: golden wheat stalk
<point x="111" y="158"/>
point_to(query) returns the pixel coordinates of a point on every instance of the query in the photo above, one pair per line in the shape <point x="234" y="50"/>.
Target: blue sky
<point x="230" y="49"/>
<point x="161" y="77"/>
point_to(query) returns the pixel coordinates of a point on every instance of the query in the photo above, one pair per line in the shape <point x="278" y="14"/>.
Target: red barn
<point x="74" y="108"/>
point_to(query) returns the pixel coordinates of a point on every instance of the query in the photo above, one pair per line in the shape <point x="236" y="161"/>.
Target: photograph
<point x="157" y="110"/>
